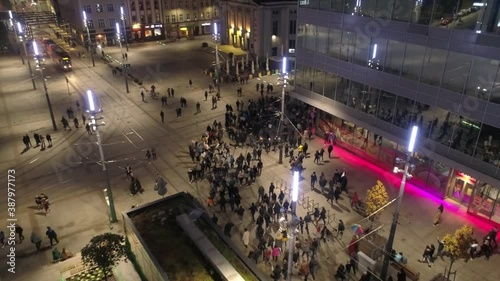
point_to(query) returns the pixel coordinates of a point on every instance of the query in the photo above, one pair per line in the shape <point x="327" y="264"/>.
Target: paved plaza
<point x="69" y="173"/>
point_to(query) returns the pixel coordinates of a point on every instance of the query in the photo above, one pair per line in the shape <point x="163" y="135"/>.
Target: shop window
<point x="461" y="188"/>
<point x="488" y="146"/>
<point x="485" y="201"/>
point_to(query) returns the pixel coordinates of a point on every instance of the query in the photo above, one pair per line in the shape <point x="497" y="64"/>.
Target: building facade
<point x="145" y="19"/>
<point x="264" y="28"/>
<point x="102" y="16"/>
<point x="189" y="18"/>
<point x="372" y="70"/>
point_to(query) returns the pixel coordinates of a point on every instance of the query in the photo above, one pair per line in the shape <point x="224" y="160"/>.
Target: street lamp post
<point x="38" y="60"/>
<point x="93" y="111"/>
<point x="293" y="223"/>
<point x="282" y="117"/>
<point x="20" y="32"/>
<point x="15" y="32"/>
<point x="122" y="14"/>
<point x="123" y="55"/>
<point x="217" y="62"/>
<point x="88" y="37"/>
<point x="390" y="240"/>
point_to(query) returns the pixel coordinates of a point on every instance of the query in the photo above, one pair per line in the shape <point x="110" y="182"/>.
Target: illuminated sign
<point x="205" y="24"/>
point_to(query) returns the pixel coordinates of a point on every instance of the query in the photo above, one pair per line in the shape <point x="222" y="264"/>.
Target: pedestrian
<point x="89" y="130"/>
<point x="437" y="216"/>
<point x="28" y="140"/>
<point x="37" y="139"/>
<point x="153" y="153"/>
<point x="206" y="95"/>
<point x="340" y="229"/>
<point x="486" y="248"/>
<point x="42" y="142"/>
<point x="35" y="239"/>
<point x="440" y="248"/>
<point x="215" y="219"/>
<point x="19" y="232"/>
<point x="52" y="236"/>
<point x="46" y="205"/>
<point x="198" y="107"/>
<point x="246" y="237"/>
<point x="75" y="121"/>
<point x="473" y="249"/>
<point x="78" y="105"/>
<point x="401" y="275"/>
<point x="276" y="252"/>
<point x="83" y="118"/>
<point x="148" y="155"/>
<point x="330" y="149"/>
<point x="426" y="256"/>
<point x="48" y="137"/>
<point x="492" y="234"/>
<point x="142" y="96"/>
<point x="190" y="84"/>
<point x="162" y="115"/>
<point x="126" y="56"/>
<point x="227" y="229"/>
<point x="25" y="141"/>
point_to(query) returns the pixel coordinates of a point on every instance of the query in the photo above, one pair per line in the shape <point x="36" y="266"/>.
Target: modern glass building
<point x="373" y="68"/>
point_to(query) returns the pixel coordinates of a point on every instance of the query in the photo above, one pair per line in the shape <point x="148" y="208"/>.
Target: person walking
<point x="162" y="115"/>
<point x="48" y="137"/>
<point x="206" y="95"/>
<point x="246" y="237"/>
<point x="35" y="239"/>
<point x="198" y="107"/>
<point x="148" y="155"/>
<point x="437" y="216"/>
<point x="75" y="121"/>
<point x="89" y="130"/>
<point x="25" y="141"/>
<point x="46" y="205"/>
<point x="492" y="234"/>
<point x="314" y="179"/>
<point x="52" y="235"/>
<point x="42" y="142"/>
<point x="28" y="140"/>
<point x="330" y="149"/>
<point x="190" y="84"/>
<point x="142" y="96"/>
<point x="37" y="139"/>
<point x="19" y="232"/>
<point x="153" y="153"/>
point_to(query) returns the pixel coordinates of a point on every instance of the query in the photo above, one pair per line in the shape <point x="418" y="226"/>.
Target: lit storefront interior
<point x="477" y="197"/>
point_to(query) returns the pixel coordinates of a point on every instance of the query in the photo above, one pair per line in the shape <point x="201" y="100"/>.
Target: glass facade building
<point x="374" y="68"/>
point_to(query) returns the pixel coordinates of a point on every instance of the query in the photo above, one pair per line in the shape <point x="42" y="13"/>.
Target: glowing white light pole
<point x="217" y="62"/>
<point x="123" y="55"/>
<point x="93" y="111"/>
<point x="122" y="14"/>
<point x="282" y="117"/>
<point x="39" y="59"/>
<point x="91" y="48"/>
<point x="293" y="223"/>
<point x="390" y="240"/>
<point x="11" y="20"/>
<point x="20" y="32"/>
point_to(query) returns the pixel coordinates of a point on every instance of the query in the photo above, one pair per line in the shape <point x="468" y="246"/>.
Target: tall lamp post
<point x="91" y="47"/>
<point x="122" y="14"/>
<point x="93" y="111"/>
<point x="20" y="32"/>
<point x="284" y="77"/>
<point x="123" y="55"/>
<point x="39" y="61"/>
<point x="11" y="20"/>
<point x="390" y="240"/>
<point x="217" y="62"/>
<point x="293" y="223"/>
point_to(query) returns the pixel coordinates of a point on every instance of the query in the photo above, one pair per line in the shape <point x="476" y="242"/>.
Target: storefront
<point x="147" y="32"/>
<point x="479" y="198"/>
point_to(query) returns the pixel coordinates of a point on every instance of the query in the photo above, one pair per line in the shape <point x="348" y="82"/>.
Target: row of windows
<point x="141" y="6"/>
<point x="142" y="19"/>
<point x="172" y="18"/>
<point x="101" y="23"/>
<point x="463" y="73"/>
<point x="173" y="5"/>
<point x="99" y="8"/>
<point x="456" y="132"/>
<point x="437" y="13"/>
<point x="292" y="28"/>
